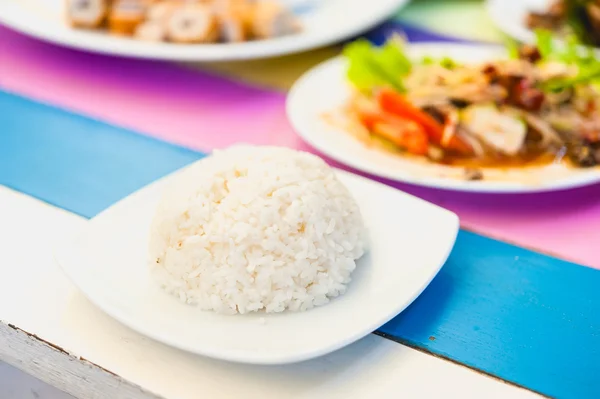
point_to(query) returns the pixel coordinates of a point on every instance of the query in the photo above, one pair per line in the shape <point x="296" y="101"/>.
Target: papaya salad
<point x="538" y="106"/>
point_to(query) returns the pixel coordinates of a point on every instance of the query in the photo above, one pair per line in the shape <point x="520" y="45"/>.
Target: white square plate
<point x="410" y="241"/>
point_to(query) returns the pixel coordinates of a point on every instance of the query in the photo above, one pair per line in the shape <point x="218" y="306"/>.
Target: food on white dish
<point x="271" y="20"/>
<point x="256" y="229"/>
<point x="234" y="23"/>
<point x="108" y="262"/>
<point x="151" y="31"/>
<point x="125" y="16"/>
<point x="191" y="21"/>
<point x="570" y="17"/>
<point x="86" y="13"/>
<point x="539" y="106"/>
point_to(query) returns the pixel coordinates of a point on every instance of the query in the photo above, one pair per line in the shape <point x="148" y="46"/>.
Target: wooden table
<point x="523" y="317"/>
<point x="48" y="329"/>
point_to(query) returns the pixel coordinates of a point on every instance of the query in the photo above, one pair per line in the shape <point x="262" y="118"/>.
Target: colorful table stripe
<point x="202" y="110"/>
<point x="504" y="310"/>
<point x="516" y="314"/>
<point x="76" y="163"/>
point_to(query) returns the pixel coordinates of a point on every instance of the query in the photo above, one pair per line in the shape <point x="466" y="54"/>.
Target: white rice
<point x="256" y="229"/>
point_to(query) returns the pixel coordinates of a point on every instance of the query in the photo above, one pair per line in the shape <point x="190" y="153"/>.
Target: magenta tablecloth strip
<point x="203" y="111"/>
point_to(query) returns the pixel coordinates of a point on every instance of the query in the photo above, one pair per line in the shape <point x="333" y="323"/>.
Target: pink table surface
<point x="204" y="111"/>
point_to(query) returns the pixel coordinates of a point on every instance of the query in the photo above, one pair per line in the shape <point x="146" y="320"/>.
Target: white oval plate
<point x="325" y="22"/>
<point x="411" y="240"/>
<point x="324" y="89"/>
<point x="510" y="16"/>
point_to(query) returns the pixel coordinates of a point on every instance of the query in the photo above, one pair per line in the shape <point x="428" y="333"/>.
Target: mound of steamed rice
<point x="256" y="229"/>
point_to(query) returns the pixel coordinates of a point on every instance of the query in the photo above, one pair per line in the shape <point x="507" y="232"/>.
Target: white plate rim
<point x="293" y="104"/>
<point x="517" y="29"/>
<point x="60" y="251"/>
<point x="210" y="53"/>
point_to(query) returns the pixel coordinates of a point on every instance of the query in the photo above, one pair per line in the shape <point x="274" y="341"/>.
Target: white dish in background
<point x="410" y="241"/>
<point x="325" y="22"/>
<point x="324" y="89"/>
<point x="510" y="16"/>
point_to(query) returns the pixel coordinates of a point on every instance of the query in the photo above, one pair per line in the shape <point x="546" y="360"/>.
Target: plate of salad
<point x="567" y="19"/>
<point x="460" y="117"/>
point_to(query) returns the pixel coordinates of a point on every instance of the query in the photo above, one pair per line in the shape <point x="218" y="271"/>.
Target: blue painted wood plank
<point x="513" y="313"/>
<point x="74" y="162"/>
<point x="522" y="316"/>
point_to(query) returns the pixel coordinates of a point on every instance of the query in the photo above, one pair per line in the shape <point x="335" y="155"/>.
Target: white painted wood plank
<point x="48" y="326"/>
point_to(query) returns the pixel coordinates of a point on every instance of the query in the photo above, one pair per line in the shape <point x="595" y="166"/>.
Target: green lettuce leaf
<point x="512" y="48"/>
<point x="371" y="66"/>
<point x="572" y="52"/>
<point x="545" y="43"/>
